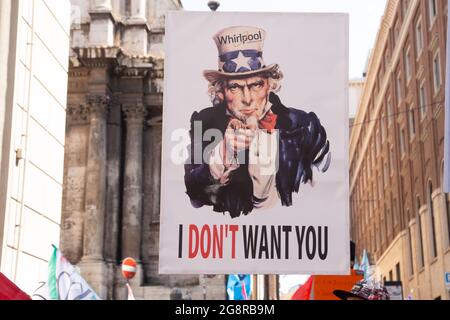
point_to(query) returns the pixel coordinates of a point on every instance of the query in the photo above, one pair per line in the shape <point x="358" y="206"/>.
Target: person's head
<point x="245" y="96"/>
<point x="242" y="80"/>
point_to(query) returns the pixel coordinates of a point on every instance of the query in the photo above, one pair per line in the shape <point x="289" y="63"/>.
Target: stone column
<point x="77" y="134"/>
<point x="132" y="189"/>
<point x="135" y="36"/>
<point x="150" y="219"/>
<point x="103" y="5"/>
<point x="138" y="10"/>
<point x="113" y="187"/>
<point x="92" y="263"/>
<point x="101" y="29"/>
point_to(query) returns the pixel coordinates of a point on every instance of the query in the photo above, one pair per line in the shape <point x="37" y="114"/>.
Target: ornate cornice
<point x="134" y="112"/>
<point x="96" y="57"/>
<point x="77" y="114"/>
<point x="157" y="74"/>
<point x="133" y="72"/>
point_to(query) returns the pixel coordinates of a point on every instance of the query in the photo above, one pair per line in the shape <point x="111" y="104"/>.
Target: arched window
<point x="432" y="218"/>
<point x="446" y="197"/>
<point x="410" y="250"/>
<point x="421" y="259"/>
<point x="447" y="214"/>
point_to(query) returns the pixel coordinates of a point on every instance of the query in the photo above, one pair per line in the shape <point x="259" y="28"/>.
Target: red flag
<point x="304" y="292"/>
<point x="9" y="291"/>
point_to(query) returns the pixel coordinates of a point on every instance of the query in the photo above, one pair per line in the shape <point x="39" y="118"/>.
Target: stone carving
<point x="77" y="114"/>
<point x="98" y="104"/>
<point x="134" y="112"/>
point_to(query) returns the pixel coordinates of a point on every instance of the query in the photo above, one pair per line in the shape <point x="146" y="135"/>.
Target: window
<point x="432" y="10"/>
<point x="378" y="144"/>
<point x="386" y="59"/>
<point x="447" y="211"/>
<point x="383" y="227"/>
<point x="398" y="88"/>
<point x="397" y="272"/>
<point x="372" y="153"/>
<point x="412" y="124"/>
<point x="407" y="64"/>
<point x="396" y="30"/>
<point x="380" y="239"/>
<point x="432" y="222"/>
<point x="390" y="114"/>
<point x="437" y="72"/>
<point x="380" y="186"/>
<point x="389" y="221"/>
<point x="386" y="173"/>
<point x="128" y="7"/>
<point x="411" y="258"/>
<point x="405" y="5"/>
<point x="391" y="160"/>
<point x="395" y="212"/>
<point x="390" y="276"/>
<point x="419" y="38"/>
<point x="419" y="235"/>
<point x="423" y="100"/>
<point x="402" y="142"/>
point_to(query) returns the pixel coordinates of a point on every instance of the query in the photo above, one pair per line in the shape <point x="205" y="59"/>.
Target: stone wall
<point x="113" y="150"/>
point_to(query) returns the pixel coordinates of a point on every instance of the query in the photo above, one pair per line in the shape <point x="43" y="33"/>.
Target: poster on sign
<point x="255" y="144"/>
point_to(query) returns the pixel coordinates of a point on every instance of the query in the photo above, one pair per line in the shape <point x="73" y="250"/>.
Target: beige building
<point x="355" y="89"/>
<point x="398" y="210"/>
<point x="34" y="37"/>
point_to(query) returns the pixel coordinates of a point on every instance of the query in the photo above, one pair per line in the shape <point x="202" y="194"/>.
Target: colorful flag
<point x="64" y="282"/>
<point x="239" y="286"/>
<point x="9" y="291"/>
<point x="304" y="291"/>
<point x="447" y="116"/>
<point x="365" y="264"/>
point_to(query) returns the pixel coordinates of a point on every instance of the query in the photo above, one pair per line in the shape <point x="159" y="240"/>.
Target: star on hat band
<point x="241" y="61"/>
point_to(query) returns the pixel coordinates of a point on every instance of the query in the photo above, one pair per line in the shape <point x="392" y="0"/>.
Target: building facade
<point x="34" y="37"/>
<point x="265" y="287"/>
<point x="355" y="88"/>
<point x="398" y="210"/>
<point x="113" y="149"/>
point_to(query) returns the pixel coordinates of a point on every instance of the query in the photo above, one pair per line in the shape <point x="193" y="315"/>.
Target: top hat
<point x="240" y="53"/>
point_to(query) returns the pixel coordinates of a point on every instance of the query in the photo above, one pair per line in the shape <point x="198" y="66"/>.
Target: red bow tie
<point x="268" y="122"/>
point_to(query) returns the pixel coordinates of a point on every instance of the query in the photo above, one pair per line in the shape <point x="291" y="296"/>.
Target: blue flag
<point x="239" y="286"/>
<point x="356" y="265"/>
<point x="365" y="264"/>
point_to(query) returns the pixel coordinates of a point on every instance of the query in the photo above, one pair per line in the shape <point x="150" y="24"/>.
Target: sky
<point x="365" y="18"/>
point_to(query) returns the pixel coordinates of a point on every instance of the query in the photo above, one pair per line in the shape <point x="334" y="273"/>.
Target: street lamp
<point x="213" y="5"/>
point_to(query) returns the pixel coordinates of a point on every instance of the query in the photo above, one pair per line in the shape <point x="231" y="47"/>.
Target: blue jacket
<point x="303" y="144"/>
